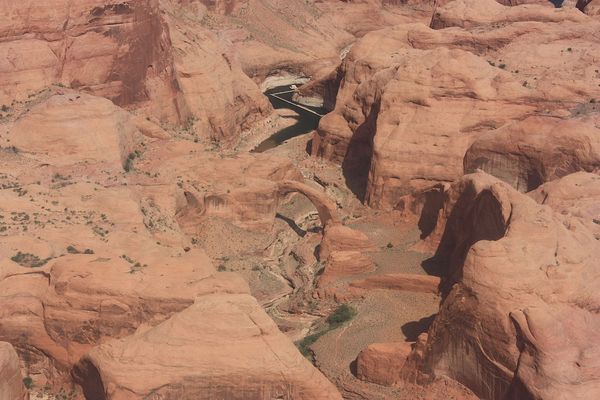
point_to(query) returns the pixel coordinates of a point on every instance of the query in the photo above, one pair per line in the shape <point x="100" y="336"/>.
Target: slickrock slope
<point x="536" y="150"/>
<point x="577" y="195"/>
<point x="413" y="99"/>
<point x="11" y="384"/>
<point x="76" y="128"/>
<point x="520" y="320"/>
<point x="94" y="248"/>
<point x="222" y="346"/>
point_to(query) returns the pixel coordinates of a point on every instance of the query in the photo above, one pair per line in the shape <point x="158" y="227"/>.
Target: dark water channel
<point x="306" y="120"/>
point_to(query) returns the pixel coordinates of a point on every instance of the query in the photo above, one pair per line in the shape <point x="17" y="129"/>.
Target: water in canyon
<point x="307" y="120"/>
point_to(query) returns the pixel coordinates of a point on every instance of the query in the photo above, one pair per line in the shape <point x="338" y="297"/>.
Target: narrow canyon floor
<point x="283" y="277"/>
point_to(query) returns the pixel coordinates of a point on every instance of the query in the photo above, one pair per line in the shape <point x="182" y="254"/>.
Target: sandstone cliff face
<point x="119" y="50"/>
<point x="413" y="99"/>
<point x="181" y="62"/>
<point x="135" y="54"/>
<point x="520" y="317"/>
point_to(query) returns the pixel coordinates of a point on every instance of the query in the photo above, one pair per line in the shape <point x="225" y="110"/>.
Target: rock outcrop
<point x="575" y="195"/>
<point x="342" y="251"/>
<point x="520" y="316"/>
<point x="133" y="53"/>
<point x="72" y="128"/>
<point x="536" y="150"/>
<point x="382" y="363"/>
<point x="413" y="99"/>
<point x="93" y="244"/>
<point x="56" y="313"/>
<point x="118" y="50"/>
<point x="182" y="62"/>
<point x="11" y="382"/>
<point x="223" y="346"/>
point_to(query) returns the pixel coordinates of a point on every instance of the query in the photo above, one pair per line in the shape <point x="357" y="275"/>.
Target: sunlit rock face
<point x="414" y="99"/>
<point x="518" y="320"/>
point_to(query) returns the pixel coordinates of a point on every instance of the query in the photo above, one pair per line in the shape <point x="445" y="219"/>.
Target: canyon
<point x="300" y="199"/>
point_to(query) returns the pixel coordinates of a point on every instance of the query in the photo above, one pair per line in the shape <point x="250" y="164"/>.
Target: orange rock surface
<point x="519" y="316"/>
<point x="11" y="383"/>
<point x="382" y="363"/>
<point x="413" y="99"/>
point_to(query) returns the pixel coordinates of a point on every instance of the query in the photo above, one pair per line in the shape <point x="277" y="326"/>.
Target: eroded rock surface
<point x="527" y="337"/>
<point x="11" y="382"/>
<point x="413" y="99"/>
<point x="536" y="150"/>
<point x="223" y="346"/>
<point x="382" y="363"/>
<point x="94" y="245"/>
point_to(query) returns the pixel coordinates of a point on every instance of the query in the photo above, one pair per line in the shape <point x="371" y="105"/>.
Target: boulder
<point x="382" y="363"/>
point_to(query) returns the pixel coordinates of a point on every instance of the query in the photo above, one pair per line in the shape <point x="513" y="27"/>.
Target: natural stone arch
<point x="325" y="206"/>
<point x="341" y="249"/>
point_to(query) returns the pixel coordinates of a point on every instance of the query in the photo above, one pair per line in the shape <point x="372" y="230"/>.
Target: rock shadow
<point x="357" y="161"/>
<point x="413" y="329"/>
<point x="432" y="205"/>
<point x="292" y="224"/>
<point x="433" y="266"/>
<point x="353" y="368"/>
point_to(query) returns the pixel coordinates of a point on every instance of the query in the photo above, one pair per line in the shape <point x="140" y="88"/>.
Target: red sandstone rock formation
<point x="75" y="128"/>
<point x="519" y="320"/>
<point x="223" y="346"/>
<point x="536" y="150"/>
<point x="382" y="363"/>
<point x="95" y="251"/>
<point x="575" y="195"/>
<point x="125" y="52"/>
<point x="413" y="99"/>
<point x="177" y="61"/>
<point x="342" y="251"/>
<point x="118" y="50"/>
<point x="11" y="383"/>
<point x="56" y="313"/>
